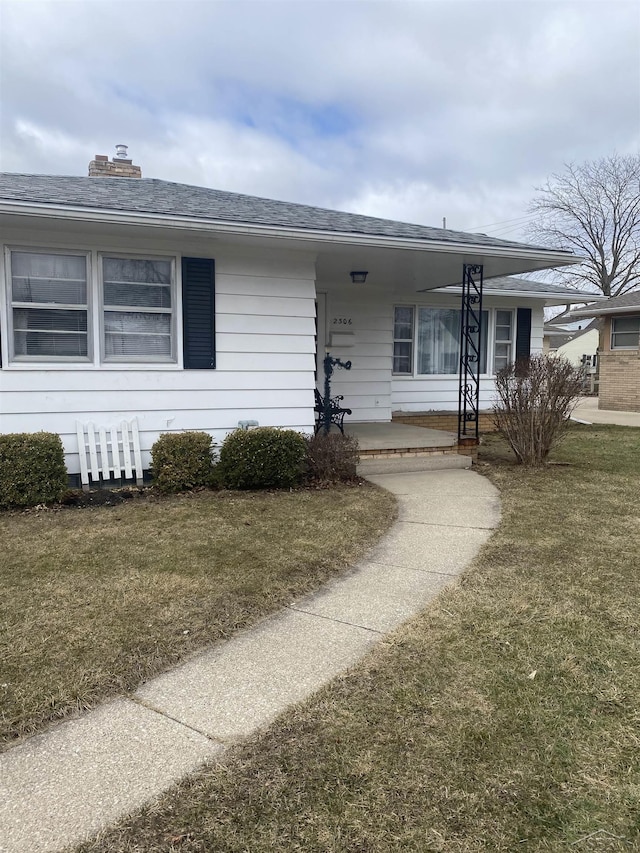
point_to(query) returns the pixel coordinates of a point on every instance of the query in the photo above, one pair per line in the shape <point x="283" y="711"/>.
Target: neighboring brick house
<point x="619" y="354"/>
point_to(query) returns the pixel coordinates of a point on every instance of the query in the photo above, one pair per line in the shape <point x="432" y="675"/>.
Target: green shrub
<point x="181" y="461"/>
<point x="332" y="458"/>
<point x="261" y="458"/>
<point x="32" y="469"/>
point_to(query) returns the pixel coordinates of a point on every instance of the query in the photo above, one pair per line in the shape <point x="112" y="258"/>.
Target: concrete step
<point x="417" y="462"/>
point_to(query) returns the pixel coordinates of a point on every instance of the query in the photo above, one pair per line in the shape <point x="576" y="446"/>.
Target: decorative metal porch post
<point x="470" y="349"/>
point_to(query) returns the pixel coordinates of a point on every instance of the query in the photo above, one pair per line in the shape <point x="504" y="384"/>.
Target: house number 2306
<point x="342" y="321"/>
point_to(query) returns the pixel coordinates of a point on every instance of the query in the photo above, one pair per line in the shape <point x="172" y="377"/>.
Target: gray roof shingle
<point x="615" y="305"/>
<point x="153" y="196"/>
<point x="511" y="284"/>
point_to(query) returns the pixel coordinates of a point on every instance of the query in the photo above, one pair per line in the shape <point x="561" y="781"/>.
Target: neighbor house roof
<point x="629" y="303"/>
<point x="558" y="338"/>
<point x="157" y="197"/>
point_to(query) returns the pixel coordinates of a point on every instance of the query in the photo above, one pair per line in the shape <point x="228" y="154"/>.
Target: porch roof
<point x="552" y="294"/>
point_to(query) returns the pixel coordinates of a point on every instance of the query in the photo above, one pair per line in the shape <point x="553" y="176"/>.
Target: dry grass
<point x="94" y="600"/>
<point x="505" y="718"/>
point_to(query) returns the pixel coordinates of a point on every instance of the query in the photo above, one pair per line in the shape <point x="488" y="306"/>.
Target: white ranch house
<point x="194" y="309"/>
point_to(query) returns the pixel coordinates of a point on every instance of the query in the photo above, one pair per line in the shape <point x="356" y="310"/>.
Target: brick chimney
<point x="119" y="167"/>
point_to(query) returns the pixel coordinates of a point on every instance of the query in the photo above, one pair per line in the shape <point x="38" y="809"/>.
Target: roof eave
<point x="223" y="227"/>
<point x="580" y="313"/>
<point x="550" y="297"/>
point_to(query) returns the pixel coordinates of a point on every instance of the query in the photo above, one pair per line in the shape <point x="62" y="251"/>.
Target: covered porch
<point x="391" y="447"/>
<point x="382" y="439"/>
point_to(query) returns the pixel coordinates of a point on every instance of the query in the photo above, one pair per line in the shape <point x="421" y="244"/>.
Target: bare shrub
<point x="535" y="399"/>
<point x="332" y="458"/>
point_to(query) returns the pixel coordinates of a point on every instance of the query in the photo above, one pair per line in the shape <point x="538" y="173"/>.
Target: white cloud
<point x="409" y="110"/>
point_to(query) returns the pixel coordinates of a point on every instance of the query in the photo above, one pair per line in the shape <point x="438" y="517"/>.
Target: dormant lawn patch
<point x="94" y="600"/>
<point x="505" y="718"/>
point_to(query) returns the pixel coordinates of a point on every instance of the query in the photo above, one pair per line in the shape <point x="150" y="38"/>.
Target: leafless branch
<point x="593" y="209"/>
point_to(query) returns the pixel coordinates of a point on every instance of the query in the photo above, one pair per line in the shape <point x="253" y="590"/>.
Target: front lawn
<point x="95" y="600"/>
<point x="504" y="718"/>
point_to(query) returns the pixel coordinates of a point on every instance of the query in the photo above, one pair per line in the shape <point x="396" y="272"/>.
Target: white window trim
<point x="490" y="341"/>
<point x="93" y="360"/>
<point x="511" y="341"/>
<point x="612" y="333"/>
<point x="404" y="340"/>
<point x="122" y="360"/>
<point x="37" y="360"/>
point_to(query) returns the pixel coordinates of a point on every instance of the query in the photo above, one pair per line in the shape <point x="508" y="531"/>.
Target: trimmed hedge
<point x="262" y="458"/>
<point x="32" y="469"/>
<point x="332" y="458"/>
<point x="182" y="461"/>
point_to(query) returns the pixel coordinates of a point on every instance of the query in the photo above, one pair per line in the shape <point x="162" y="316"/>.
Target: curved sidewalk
<point x="68" y="783"/>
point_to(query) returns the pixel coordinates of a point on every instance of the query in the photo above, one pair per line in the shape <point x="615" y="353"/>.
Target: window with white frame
<point x="625" y="333"/>
<point x="137" y="304"/>
<point x="438" y="351"/>
<point x="503" y="345"/>
<point x="431" y="337"/>
<point x="436" y="333"/>
<point x="48" y="295"/>
<point x="403" y="339"/>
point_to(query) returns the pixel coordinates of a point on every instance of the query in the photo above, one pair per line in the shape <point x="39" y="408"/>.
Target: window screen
<point x="49" y="305"/>
<point x="137" y="297"/>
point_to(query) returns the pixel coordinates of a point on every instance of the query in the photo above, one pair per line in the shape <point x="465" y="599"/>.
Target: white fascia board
<point x="579" y="313"/>
<point x="280" y="232"/>
<point x="549" y="296"/>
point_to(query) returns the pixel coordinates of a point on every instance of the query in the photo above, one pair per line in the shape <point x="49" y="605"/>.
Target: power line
<point x="501" y="232"/>
<point x="505" y="221"/>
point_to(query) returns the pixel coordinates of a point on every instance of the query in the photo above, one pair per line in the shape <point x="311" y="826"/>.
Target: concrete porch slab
<point x="393" y="436"/>
<point x="412" y="464"/>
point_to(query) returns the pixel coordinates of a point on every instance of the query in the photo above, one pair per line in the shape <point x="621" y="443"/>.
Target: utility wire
<point x="506" y="222"/>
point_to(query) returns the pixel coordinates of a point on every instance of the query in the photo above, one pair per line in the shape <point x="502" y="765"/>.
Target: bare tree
<point x="594" y="210"/>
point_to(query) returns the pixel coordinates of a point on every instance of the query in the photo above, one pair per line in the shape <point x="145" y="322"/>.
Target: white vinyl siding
<point x="48" y="299"/>
<point x="367" y="386"/>
<point x="265" y="328"/>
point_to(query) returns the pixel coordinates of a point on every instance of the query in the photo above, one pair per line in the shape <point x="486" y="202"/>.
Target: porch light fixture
<point x="359" y="276"/>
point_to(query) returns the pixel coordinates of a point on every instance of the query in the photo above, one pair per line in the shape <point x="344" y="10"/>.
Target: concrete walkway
<point x="68" y="783"/>
<point x="587" y="410"/>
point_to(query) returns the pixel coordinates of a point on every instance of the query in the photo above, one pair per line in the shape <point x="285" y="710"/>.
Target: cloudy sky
<point x="406" y="110"/>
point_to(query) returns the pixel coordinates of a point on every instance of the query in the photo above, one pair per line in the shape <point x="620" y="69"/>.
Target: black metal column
<point x="470" y="349"/>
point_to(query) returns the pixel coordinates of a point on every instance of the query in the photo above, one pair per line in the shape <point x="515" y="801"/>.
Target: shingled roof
<point x="511" y="285"/>
<point x="628" y="303"/>
<point x="152" y="196"/>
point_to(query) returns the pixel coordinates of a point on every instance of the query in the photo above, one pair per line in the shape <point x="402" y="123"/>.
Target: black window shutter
<point x="198" y="313"/>
<point x="523" y="334"/>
